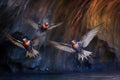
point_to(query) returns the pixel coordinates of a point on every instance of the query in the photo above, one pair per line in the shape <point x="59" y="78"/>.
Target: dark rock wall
<point x="78" y="17"/>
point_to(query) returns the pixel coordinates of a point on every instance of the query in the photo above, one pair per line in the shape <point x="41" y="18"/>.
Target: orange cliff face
<point x="81" y="18"/>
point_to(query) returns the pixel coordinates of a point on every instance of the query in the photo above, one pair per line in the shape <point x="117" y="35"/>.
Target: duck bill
<point x="45" y="26"/>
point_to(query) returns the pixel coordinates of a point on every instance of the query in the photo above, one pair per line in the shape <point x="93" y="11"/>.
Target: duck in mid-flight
<point x="78" y="46"/>
<point x="41" y="30"/>
<point x="23" y="42"/>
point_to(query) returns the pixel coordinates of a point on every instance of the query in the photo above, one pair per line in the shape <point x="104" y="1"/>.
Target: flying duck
<point x="41" y="31"/>
<point x="78" y="46"/>
<point x="22" y="42"/>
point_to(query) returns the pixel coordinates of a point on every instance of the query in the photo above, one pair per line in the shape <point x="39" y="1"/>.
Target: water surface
<point x="73" y="76"/>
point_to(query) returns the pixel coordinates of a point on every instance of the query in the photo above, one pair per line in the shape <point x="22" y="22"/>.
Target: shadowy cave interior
<point x="78" y="17"/>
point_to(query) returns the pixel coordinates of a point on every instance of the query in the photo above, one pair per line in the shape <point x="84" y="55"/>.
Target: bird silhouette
<point x="41" y="30"/>
<point x="23" y="42"/>
<point x="78" y="46"/>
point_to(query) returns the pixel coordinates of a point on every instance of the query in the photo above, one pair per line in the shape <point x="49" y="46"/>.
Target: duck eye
<point x="24" y="39"/>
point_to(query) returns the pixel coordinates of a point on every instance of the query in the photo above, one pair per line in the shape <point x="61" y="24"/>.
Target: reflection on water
<point x="75" y="76"/>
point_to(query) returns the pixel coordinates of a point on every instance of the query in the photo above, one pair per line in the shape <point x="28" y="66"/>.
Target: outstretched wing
<point x="62" y="46"/>
<point x="54" y="26"/>
<point x="32" y="23"/>
<point x="35" y="41"/>
<point x="89" y="36"/>
<point x="13" y="40"/>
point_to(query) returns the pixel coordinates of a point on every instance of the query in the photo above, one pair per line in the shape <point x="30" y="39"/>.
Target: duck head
<point x="73" y="42"/>
<point x="46" y="25"/>
<point x="26" y="42"/>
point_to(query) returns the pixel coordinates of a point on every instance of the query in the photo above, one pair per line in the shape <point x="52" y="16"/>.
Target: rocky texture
<point x="13" y="57"/>
<point x="78" y="17"/>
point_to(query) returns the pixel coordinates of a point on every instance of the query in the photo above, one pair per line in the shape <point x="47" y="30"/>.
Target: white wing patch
<point x="54" y="26"/>
<point x="84" y="55"/>
<point x="32" y="53"/>
<point x="86" y="39"/>
<point x="62" y="47"/>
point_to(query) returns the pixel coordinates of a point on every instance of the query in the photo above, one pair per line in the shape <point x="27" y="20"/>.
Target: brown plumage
<point x="30" y="52"/>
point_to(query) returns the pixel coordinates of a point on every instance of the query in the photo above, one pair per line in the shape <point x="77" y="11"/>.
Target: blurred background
<point x="78" y="17"/>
